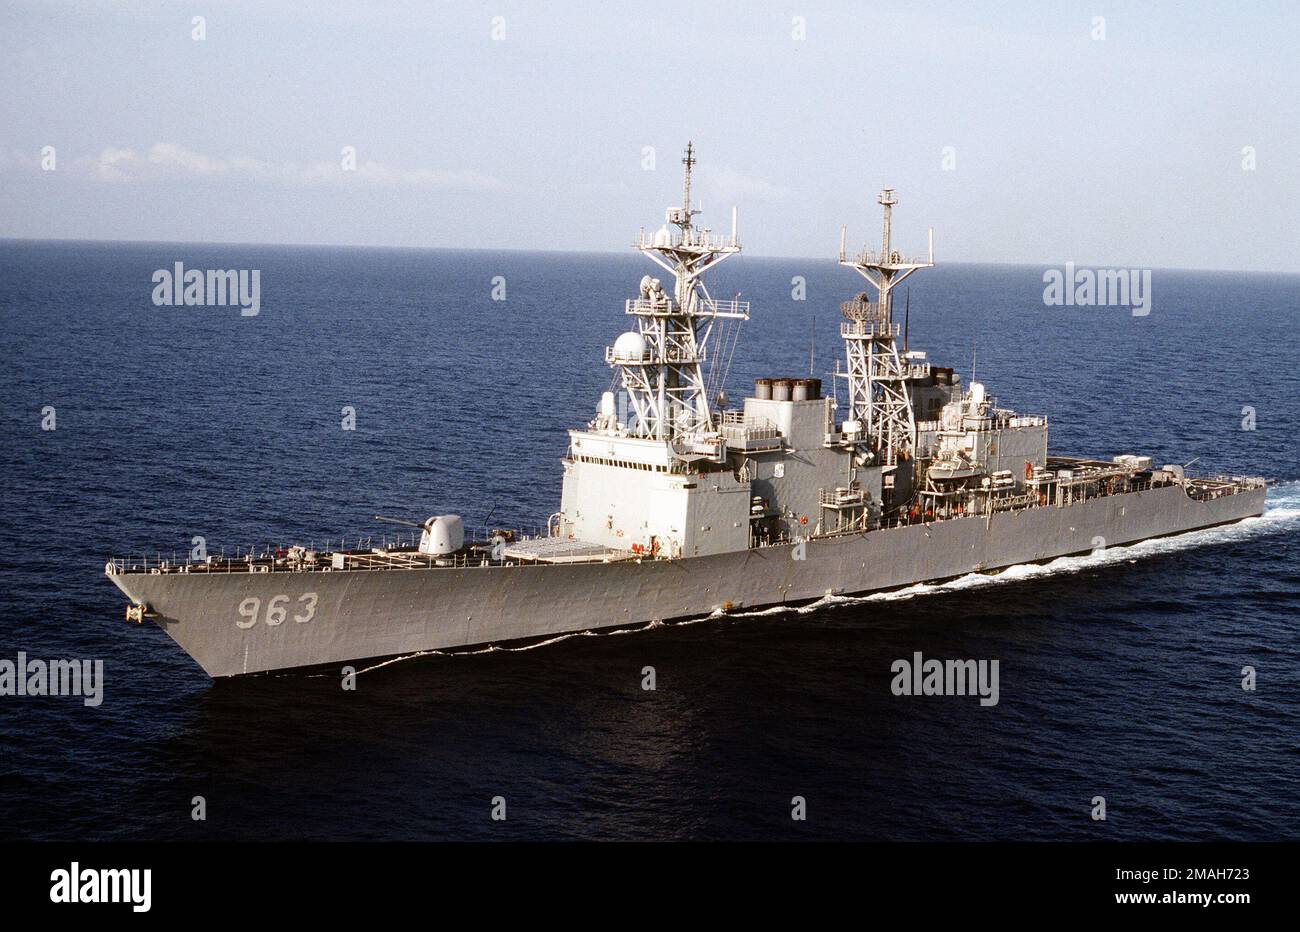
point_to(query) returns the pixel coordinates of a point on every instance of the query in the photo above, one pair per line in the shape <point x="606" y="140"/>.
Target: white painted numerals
<point x="309" y="609"/>
<point x="277" y="610"/>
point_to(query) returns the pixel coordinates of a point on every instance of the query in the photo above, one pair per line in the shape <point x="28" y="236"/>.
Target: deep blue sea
<point x="1120" y="674"/>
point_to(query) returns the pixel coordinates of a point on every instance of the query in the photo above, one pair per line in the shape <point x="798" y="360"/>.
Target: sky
<point x="1160" y="135"/>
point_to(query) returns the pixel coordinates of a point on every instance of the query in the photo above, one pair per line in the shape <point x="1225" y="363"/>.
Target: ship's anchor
<point x="136" y="613"/>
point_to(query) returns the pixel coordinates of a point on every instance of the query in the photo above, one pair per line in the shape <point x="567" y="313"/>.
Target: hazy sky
<point x="1122" y="151"/>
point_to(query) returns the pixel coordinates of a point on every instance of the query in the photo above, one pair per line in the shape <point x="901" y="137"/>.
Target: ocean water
<point x="1120" y="673"/>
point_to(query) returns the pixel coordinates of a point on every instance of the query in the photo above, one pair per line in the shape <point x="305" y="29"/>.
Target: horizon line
<point x="830" y="256"/>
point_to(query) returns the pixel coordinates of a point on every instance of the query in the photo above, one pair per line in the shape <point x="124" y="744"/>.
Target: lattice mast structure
<point x="664" y="381"/>
<point x="876" y="373"/>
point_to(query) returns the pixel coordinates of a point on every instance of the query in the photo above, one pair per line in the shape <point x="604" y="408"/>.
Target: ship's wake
<point x="1281" y="514"/>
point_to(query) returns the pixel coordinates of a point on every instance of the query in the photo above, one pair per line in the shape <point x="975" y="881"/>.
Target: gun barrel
<point x="399" y="521"/>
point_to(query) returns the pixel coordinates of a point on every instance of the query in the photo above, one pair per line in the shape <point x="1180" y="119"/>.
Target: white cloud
<point x="115" y="164"/>
<point x="169" y="156"/>
<point x="168" y="160"/>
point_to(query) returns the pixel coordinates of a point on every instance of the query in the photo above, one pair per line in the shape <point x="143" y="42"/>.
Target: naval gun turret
<point x="440" y="535"/>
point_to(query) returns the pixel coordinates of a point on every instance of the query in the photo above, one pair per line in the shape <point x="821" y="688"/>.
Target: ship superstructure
<point x="675" y="504"/>
<point x="627" y="476"/>
<point x="665" y="474"/>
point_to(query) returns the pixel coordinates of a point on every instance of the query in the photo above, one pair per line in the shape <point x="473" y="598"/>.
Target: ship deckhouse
<point x="666" y="470"/>
<point x="650" y="474"/>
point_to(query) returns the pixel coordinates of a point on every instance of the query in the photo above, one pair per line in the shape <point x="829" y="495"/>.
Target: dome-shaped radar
<point x="630" y="345"/>
<point x="663" y="237"/>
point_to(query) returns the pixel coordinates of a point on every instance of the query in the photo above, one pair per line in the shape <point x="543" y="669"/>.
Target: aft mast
<point x="877" y="375"/>
<point x="660" y="363"/>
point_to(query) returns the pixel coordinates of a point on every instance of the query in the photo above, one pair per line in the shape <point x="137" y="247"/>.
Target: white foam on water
<point x="497" y="648"/>
<point x="391" y="660"/>
<point x="1281" y="513"/>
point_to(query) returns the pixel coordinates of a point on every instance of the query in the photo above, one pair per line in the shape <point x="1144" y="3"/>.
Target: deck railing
<point x="401" y="552"/>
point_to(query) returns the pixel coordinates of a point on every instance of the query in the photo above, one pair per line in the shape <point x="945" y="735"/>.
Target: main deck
<point x="1075" y="480"/>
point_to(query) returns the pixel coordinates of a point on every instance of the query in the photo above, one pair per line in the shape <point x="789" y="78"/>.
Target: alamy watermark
<point x="921" y="677"/>
<point x="76" y="884"/>
<point x="179" y="286"/>
<point x="36" y="677"/>
<point x="1098" y="288"/>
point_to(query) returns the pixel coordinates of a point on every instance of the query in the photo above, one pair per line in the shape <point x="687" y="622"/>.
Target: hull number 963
<point x="277" y="610"/>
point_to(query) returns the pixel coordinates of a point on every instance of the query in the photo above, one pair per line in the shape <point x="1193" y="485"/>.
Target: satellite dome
<point x="630" y="345"/>
<point x="663" y="237"/>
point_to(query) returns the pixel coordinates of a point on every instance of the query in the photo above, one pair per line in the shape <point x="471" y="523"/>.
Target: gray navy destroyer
<point x="677" y="506"/>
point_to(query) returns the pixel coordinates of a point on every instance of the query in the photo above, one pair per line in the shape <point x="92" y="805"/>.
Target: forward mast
<point x="661" y="361"/>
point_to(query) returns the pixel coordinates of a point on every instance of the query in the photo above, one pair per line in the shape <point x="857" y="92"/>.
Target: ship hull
<point x="353" y="615"/>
